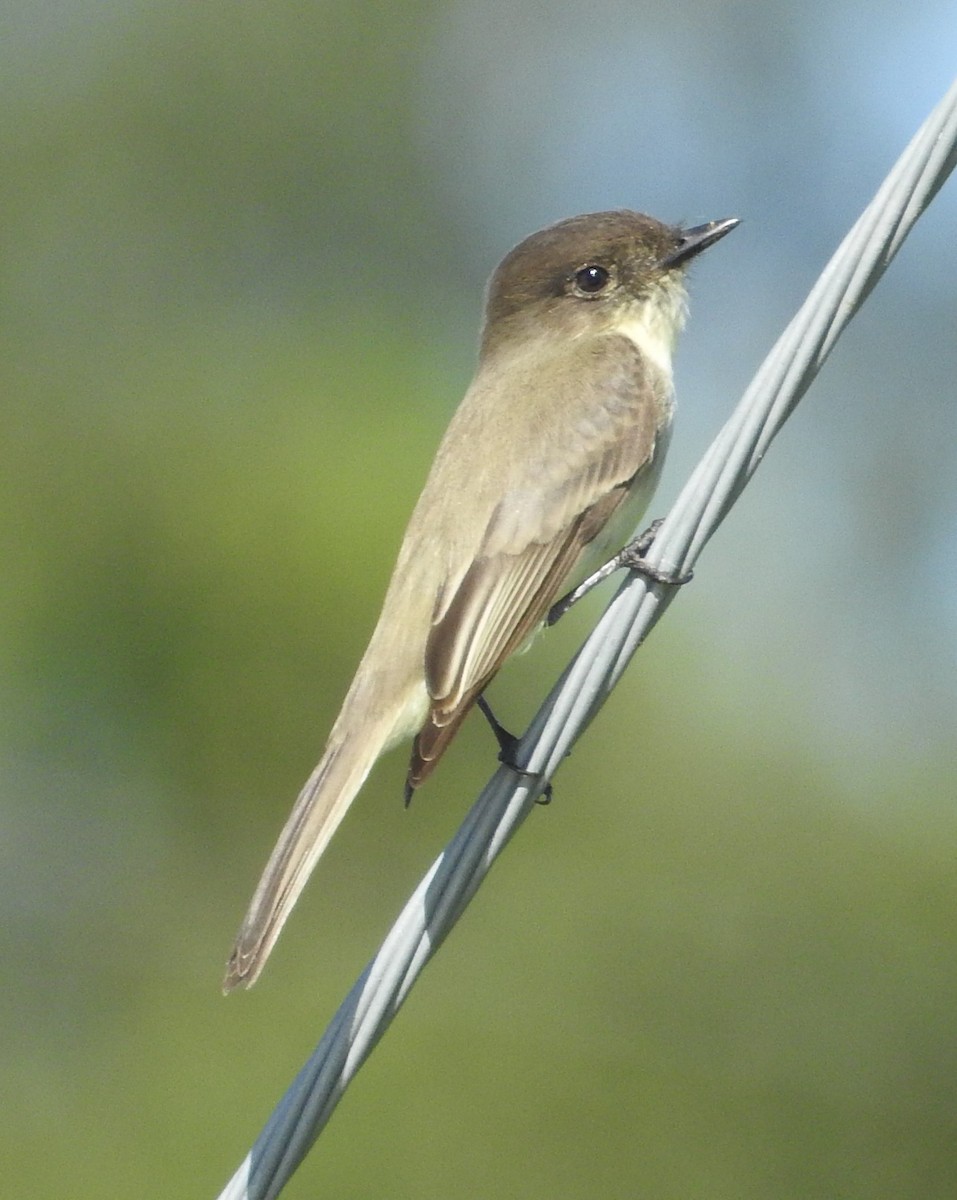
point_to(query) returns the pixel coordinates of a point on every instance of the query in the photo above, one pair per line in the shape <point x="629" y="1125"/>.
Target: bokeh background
<point x="243" y="252"/>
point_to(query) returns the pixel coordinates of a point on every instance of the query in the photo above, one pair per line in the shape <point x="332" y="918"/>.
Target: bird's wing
<point x="573" y="479"/>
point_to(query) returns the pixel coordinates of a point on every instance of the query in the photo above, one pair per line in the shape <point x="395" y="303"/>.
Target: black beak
<point x="699" y="237"/>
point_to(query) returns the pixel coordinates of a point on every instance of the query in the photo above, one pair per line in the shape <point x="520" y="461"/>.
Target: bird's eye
<point x="592" y="279"/>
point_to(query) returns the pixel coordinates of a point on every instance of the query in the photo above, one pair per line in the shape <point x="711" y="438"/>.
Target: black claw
<point x="507" y="743"/>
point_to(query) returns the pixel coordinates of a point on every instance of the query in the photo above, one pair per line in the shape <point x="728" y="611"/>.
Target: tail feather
<point x="321" y="805"/>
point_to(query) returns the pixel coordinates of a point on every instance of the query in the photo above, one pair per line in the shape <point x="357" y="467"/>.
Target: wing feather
<point x="572" y="481"/>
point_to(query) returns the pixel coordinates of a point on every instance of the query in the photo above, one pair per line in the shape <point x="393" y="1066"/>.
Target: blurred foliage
<point x="716" y="966"/>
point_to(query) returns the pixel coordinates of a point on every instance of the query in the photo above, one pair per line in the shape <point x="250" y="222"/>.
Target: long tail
<point x="322" y="804"/>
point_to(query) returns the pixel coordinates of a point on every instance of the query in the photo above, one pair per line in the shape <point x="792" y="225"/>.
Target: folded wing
<point x="573" y="483"/>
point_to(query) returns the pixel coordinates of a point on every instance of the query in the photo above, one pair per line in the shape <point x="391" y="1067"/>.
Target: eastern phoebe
<point x="549" y="460"/>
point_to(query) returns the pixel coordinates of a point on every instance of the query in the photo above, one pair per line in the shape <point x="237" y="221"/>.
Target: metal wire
<point x="443" y="894"/>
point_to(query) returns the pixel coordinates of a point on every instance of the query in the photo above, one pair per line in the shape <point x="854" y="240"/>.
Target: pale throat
<point x="654" y="323"/>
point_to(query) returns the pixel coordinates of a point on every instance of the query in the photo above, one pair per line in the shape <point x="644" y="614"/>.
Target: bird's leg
<point x="506" y="745"/>
<point x="631" y="558"/>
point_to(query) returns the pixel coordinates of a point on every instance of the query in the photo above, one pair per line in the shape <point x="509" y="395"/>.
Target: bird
<point x="549" y="460"/>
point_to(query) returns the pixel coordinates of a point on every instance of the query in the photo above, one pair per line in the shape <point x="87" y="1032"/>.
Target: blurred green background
<point x="243" y="252"/>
